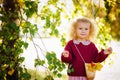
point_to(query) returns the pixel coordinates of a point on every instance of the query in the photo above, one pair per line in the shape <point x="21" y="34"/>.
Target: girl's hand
<point x="65" y="54"/>
<point x="108" y="50"/>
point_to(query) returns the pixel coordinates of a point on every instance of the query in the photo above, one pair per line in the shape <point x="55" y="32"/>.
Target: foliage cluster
<point x="15" y="24"/>
<point x="11" y="43"/>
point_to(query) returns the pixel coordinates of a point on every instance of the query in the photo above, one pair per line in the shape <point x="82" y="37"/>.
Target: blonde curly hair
<point x="73" y="29"/>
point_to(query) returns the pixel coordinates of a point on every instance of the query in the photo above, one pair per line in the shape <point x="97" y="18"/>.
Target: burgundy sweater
<point x="89" y="53"/>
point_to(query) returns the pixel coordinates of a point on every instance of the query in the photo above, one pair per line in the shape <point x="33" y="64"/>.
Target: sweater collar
<point x="83" y="42"/>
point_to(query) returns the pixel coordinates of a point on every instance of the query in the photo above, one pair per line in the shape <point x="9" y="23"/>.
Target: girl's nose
<point x="83" y="30"/>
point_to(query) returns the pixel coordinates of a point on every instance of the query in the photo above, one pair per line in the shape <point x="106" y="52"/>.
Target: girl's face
<point x="83" y="30"/>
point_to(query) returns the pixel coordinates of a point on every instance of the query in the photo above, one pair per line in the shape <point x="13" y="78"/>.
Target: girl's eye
<point x="86" y="28"/>
<point x="80" y="28"/>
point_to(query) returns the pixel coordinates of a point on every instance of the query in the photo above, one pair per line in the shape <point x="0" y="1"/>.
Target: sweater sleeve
<point x="69" y="58"/>
<point x="98" y="56"/>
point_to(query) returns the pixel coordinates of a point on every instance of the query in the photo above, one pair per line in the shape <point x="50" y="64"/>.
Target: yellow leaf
<point x="94" y="66"/>
<point x="10" y="72"/>
<point x="90" y="67"/>
<point x="99" y="66"/>
<point x="21" y="3"/>
<point x="4" y="67"/>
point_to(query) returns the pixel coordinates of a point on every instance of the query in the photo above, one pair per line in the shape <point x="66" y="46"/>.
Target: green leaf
<point x="55" y="72"/>
<point x="63" y="65"/>
<point x="70" y="70"/>
<point x="49" y="77"/>
<point x="56" y="32"/>
<point x="26" y="76"/>
<point x="25" y="45"/>
<point x="47" y="22"/>
<point x="33" y="29"/>
<point x="50" y="67"/>
<point x="59" y="75"/>
<point x="31" y="8"/>
<point x="21" y="59"/>
<point x="63" y="40"/>
<point x="26" y="27"/>
<point x="60" y="68"/>
<point x="39" y="62"/>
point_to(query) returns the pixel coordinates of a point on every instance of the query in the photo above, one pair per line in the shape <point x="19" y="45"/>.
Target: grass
<point x="37" y="75"/>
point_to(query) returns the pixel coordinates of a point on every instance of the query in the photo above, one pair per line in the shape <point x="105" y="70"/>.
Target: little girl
<point x="81" y="33"/>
